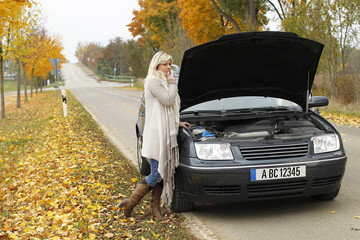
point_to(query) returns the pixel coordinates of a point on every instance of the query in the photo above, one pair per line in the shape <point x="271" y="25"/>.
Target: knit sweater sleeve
<point x="165" y="96"/>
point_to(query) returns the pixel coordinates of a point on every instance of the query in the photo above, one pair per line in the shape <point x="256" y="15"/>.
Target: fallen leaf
<point x="92" y="236"/>
<point x="109" y="235"/>
<point x="134" y="180"/>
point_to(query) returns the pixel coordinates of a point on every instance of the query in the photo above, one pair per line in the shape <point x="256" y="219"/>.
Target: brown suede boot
<point x="154" y="208"/>
<point x="128" y="204"/>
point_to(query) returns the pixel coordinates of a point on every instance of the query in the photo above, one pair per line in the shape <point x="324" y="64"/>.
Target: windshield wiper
<point x="242" y="110"/>
<point x="199" y="112"/>
<point x="271" y="109"/>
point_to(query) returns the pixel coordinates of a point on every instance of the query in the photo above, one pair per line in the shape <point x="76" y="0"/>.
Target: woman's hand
<point x="185" y="125"/>
<point x="170" y="78"/>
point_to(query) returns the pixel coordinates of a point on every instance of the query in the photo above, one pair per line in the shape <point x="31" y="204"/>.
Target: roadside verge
<point x="61" y="178"/>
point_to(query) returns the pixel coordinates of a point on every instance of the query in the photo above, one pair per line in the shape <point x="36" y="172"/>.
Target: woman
<point x="162" y="104"/>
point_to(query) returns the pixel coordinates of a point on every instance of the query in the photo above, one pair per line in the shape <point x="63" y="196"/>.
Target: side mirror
<point x="318" y="101"/>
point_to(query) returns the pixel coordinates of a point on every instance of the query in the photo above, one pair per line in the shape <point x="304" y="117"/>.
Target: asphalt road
<point x="115" y="109"/>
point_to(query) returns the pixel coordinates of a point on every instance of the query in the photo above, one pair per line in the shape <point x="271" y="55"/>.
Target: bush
<point x="346" y="89"/>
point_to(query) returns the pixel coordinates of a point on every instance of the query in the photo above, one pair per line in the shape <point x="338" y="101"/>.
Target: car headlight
<point x="213" y="151"/>
<point x="326" y="143"/>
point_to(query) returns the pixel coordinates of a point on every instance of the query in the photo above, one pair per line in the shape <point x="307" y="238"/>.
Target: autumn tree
<point x="10" y="12"/>
<point x="336" y="25"/>
<point x="176" y="41"/>
<point x="17" y="43"/>
<point x="206" y="20"/>
<point x="42" y="47"/>
<point x="21" y="49"/>
<point x="89" y="53"/>
<point x="112" y="56"/>
<point x="151" y="22"/>
<point x="80" y="51"/>
<point x="94" y="51"/>
<point x="136" y="57"/>
<point x="249" y="13"/>
<point x="157" y="25"/>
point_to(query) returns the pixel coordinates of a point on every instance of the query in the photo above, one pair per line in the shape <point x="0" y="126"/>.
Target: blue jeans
<point x="154" y="176"/>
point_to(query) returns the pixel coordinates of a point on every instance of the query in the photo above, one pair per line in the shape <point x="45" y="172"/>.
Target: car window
<point x="244" y="102"/>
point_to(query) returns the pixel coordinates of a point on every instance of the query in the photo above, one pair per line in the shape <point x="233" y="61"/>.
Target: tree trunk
<point x="2" y="84"/>
<point x="25" y="82"/>
<point x="41" y="84"/>
<point x="227" y="16"/>
<point x="37" y="85"/>
<point x="18" y="92"/>
<point x="32" y="82"/>
<point x="250" y="15"/>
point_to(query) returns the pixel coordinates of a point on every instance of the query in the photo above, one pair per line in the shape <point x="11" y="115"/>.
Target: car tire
<point x="179" y="204"/>
<point x="144" y="166"/>
<point x="327" y="196"/>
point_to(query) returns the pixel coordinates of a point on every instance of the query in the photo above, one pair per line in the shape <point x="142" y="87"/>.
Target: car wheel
<point x="144" y="166"/>
<point x="179" y="204"/>
<point x="327" y="196"/>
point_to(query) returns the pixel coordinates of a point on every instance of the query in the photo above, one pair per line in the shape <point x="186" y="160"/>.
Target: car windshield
<point x="234" y="103"/>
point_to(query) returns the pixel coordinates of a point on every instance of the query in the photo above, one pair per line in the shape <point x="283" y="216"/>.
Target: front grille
<point x="219" y="190"/>
<point x="271" y="152"/>
<point x="322" y="182"/>
<point x="273" y="190"/>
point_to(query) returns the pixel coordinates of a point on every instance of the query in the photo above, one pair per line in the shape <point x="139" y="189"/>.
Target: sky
<point x="87" y="21"/>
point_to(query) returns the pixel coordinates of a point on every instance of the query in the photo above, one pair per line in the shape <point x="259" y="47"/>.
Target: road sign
<point x="55" y="72"/>
<point x="55" y="62"/>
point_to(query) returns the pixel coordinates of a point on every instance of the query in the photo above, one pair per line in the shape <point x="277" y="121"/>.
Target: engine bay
<point x="279" y="128"/>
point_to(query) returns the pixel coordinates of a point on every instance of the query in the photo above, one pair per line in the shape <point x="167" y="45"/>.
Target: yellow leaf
<point x="134" y="180"/>
<point x="50" y="193"/>
<point x="332" y="212"/>
<point x="12" y="236"/>
<point x="92" y="236"/>
<point x="54" y="227"/>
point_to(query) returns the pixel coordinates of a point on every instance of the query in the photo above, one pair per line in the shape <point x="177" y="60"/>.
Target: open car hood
<point x="271" y="64"/>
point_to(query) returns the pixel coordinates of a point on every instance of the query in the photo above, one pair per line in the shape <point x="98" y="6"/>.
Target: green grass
<point x="138" y="85"/>
<point x="11" y="86"/>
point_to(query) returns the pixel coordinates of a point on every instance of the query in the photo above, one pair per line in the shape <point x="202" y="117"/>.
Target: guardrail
<point x="130" y="79"/>
<point x="112" y="78"/>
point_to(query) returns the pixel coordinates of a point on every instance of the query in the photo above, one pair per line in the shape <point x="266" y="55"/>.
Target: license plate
<point x="259" y="174"/>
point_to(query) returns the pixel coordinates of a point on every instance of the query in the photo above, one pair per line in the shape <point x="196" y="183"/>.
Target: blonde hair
<point x="159" y="58"/>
